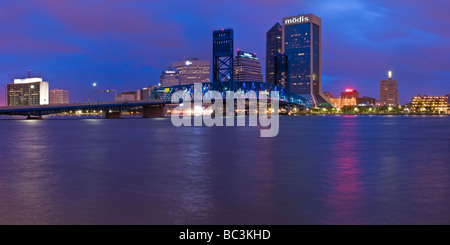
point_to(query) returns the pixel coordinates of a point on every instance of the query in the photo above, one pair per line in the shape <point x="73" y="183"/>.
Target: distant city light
<point x="349" y="90"/>
<point x="94" y="84"/>
<point x="390" y="74"/>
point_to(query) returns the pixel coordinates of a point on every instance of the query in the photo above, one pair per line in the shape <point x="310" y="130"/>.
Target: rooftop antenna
<point x="29" y="73"/>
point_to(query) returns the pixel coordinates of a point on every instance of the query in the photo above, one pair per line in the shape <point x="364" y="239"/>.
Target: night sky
<point x="125" y="44"/>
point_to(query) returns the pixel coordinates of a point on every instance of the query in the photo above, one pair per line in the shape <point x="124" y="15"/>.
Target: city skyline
<point x="75" y="44"/>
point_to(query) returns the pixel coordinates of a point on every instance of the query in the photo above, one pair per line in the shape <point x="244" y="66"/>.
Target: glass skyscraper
<point x="273" y="48"/>
<point x="302" y="45"/>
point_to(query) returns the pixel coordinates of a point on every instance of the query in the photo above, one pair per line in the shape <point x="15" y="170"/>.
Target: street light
<point x="98" y="92"/>
<point x="29" y="94"/>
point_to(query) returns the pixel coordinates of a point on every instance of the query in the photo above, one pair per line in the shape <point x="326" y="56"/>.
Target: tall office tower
<point x="247" y="67"/>
<point x="302" y="45"/>
<point x="281" y="71"/>
<point x="170" y="77"/>
<point x="223" y="51"/>
<point x="273" y="48"/>
<point x="389" y="92"/>
<point x="27" y="91"/>
<point x="193" y="70"/>
<point x="59" y="96"/>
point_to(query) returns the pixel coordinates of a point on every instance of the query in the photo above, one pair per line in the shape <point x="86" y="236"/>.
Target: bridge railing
<point x="165" y="93"/>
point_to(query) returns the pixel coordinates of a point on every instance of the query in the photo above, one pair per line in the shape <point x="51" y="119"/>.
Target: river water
<point x="318" y="170"/>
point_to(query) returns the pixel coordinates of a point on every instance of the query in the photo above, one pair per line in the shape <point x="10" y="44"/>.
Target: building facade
<point x="170" y="77"/>
<point x="27" y="91"/>
<point x="144" y="93"/>
<point x="59" y="96"/>
<point x="366" y="101"/>
<point x="350" y="93"/>
<point x="273" y="48"/>
<point x="302" y="45"/>
<point x="433" y="104"/>
<point x="341" y="102"/>
<point x="126" y="96"/>
<point x="389" y="92"/>
<point x="247" y="67"/>
<point x="193" y="70"/>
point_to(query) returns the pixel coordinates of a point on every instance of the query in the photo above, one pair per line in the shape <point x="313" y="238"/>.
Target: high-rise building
<point x="281" y="71"/>
<point x="350" y="93"/>
<point x="302" y="45"/>
<point x="223" y="50"/>
<point x="193" y="70"/>
<point x="170" y="77"/>
<point x="273" y="48"/>
<point x="59" y="96"/>
<point x="27" y="91"/>
<point x="247" y="67"/>
<point x="389" y="92"/>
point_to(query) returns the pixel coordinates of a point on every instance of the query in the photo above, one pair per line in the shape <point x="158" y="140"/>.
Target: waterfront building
<point x="126" y="96"/>
<point x="350" y="93"/>
<point x="341" y="102"/>
<point x="366" y="101"/>
<point x="301" y="42"/>
<point x="247" y="67"/>
<point x="27" y="91"/>
<point x="426" y="103"/>
<point x="59" y="96"/>
<point x="193" y="70"/>
<point x="144" y="93"/>
<point x="170" y="77"/>
<point x="389" y="92"/>
<point x="273" y="48"/>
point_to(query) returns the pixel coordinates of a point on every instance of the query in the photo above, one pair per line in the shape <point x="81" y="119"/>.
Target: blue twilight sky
<point x="124" y="44"/>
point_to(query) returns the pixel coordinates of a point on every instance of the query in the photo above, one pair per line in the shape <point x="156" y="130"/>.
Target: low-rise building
<point x="432" y="104"/>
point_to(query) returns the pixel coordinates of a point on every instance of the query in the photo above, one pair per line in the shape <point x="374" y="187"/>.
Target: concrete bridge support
<point x="154" y="111"/>
<point x="113" y="115"/>
<point x="34" y="118"/>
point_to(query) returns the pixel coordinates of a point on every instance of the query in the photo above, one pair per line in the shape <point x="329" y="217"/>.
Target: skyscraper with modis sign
<point x="302" y="45"/>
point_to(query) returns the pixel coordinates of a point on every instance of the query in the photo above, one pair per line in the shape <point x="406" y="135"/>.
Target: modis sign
<point x="296" y="20"/>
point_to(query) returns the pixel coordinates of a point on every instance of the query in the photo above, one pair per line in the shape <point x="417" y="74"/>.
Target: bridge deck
<point x="40" y="110"/>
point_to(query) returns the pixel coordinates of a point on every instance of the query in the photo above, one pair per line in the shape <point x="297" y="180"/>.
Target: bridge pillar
<point x="34" y="118"/>
<point x="113" y="115"/>
<point x="154" y="111"/>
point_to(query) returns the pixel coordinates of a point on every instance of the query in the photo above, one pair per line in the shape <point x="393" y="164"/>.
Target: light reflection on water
<point x="318" y="170"/>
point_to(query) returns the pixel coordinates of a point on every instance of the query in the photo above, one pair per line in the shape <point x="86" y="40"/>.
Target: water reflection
<point x="344" y="197"/>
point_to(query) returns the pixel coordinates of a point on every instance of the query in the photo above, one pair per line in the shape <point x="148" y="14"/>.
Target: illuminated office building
<point x="193" y="70"/>
<point x="350" y="93"/>
<point x="389" y="92"/>
<point x="170" y="77"/>
<point x="59" y="96"/>
<point x="247" y="67"/>
<point x="302" y="45"/>
<point x="273" y="48"/>
<point x="27" y="91"/>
